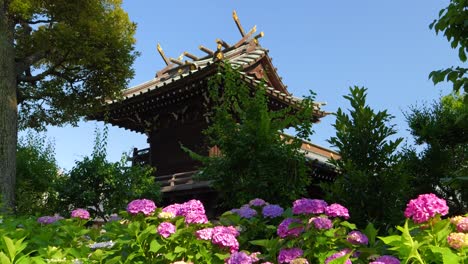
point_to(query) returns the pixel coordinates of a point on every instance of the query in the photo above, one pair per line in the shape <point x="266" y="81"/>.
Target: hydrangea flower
<point x="144" y="206"/>
<point x="245" y="212"/>
<point x="204" y="234"/>
<point x="45" y="220"/>
<point x="284" y="230"/>
<point x="425" y="207"/>
<point x="286" y="255"/>
<point x="194" y="212"/>
<point x="386" y="260"/>
<point x="458" y="240"/>
<point x="337" y="210"/>
<point x="300" y="261"/>
<point x="321" y="222"/>
<point x="357" y="238"/>
<point x="240" y="258"/>
<point x="80" y="213"/>
<point x="309" y="206"/>
<point x="166" y="229"/>
<point x="257" y="202"/>
<point x="462" y="225"/>
<point x="166" y="215"/>
<point x="339" y="254"/>
<point x="272" y="211"/>
<point x="173" y="209"/>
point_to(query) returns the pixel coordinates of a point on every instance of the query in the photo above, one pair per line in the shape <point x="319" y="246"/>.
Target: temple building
<point x="173" y="108"/>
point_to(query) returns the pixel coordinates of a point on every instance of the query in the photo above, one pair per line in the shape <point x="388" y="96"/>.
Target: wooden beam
<point x="191" y="56"/>
<point x="247" y="36"/>
<point x="223" y="43"/>
<point x="239" y="26"/>
<point x="161" y="52"/>
<point x="207" y="50"/>
<point x="178" y="62"/>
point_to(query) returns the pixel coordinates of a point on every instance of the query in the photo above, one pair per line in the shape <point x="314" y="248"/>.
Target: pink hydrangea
<point x="339" y="254"/>
<point x="309" y="206"/>
<point x="357" y="238"/>
<point x="166" y="229"/>
<point x="194" y="212"/>
<point x="257" y="202"/>
<point x="227" y="240"/>
<point x="458" y="240"/>
<point x="337" y="210"/>
<point x="144" y="206"/>
<point x="462" y="225"/>
<point x="321" y="222"/>
<point x="240" y="258"/>
<point x="80" y="213"/>
<point x="286" y="255"/>
<point x="173" y="209"/>
<point x="284" y="230"/>
<point x="386" y="260"/>
<point x="272" y="211"/>
<point x="204" y="234"/>
<point x="425" y="207"/>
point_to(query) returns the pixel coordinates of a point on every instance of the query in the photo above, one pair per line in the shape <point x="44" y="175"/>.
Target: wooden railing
<point x="141" y="156"/>
<point x="180" y="181"/>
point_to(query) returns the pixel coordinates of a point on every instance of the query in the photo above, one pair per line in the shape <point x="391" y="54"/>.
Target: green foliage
<point x="36" y="171"/>
<point x="452" y="22"/>
<point x="442" y="166"/>
<point x="371" y="181"/>
<point x="71" y="55"/>
<point x="106" y="186"/>
<point x="255" y="160"/>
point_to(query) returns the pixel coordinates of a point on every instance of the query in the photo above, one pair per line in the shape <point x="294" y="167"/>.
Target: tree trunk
<point x="8" y="111"/>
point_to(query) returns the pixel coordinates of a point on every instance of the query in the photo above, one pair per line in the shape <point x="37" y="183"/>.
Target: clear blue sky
<point x="326" y="46"/>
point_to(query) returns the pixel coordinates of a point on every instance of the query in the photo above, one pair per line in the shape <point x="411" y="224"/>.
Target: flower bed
<point x="311" y="231"/>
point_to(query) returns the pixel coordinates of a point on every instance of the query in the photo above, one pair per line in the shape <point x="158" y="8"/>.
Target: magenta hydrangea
<point x="80" y="213"/>
<point x="257" y="202"/>
<point x="272" y="211"/>
<point x="224" y="236"/>
<point x="144" y="206"/>
<point x="357" y="238"/>
<point x="321" y="222"/>
<point x="309" y="206"/>
<point x="46" y="220"/>
<point x="166" y="229"/>
<point x="337" y="210"/>
<point x="204" y="234"/>
<point x="241" y="258"/>
<point x="173" y="209"/>
<point x="386" y="260"/>
<point x="425" y="207"/>
<point x="339" y="254"/>
<point x="286" y="255"/>
<point x="284" y="230"/>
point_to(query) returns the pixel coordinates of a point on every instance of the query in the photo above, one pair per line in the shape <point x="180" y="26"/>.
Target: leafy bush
<point x="102" y="186"/>
<point x="255" y="160"/>
<point x="36" y="171"/>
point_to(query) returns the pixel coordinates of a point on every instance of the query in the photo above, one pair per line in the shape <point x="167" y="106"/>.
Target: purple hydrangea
<point x="321" y="222"/>
<point x="80" y="213"/>
<point x="286" y="255"/>
<point x="284" y="230"/>
<point x="245" y="212"/>
<point x="272" y="211"/>
<point x="309" y="206"/>
<point x="240" y="258"/>
<point x="45" y="220"/>
<point x="425" y="207"/>
<point x="385" y="260"/>
<point x="339" y="254"/>
<point x="144" y="206"/>
<point x="166" y="229"/>
<point x="257" y="202"/>
<point x="357" y="238"/>
<point x="337" y="210"/>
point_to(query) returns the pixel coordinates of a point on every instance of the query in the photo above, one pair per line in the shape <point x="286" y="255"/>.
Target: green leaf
<point x="447" y="255"/>
<point x="10" y="247"/>
<point x="4" y="259"/>
<point x="179" y="249"/>
<point x="155" y="246"/>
